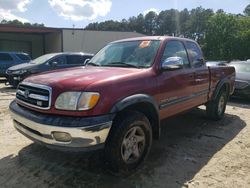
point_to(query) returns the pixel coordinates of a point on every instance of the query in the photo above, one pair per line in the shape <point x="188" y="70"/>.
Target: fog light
<point x="17" y="78"/>
<point x="61" y="136"/>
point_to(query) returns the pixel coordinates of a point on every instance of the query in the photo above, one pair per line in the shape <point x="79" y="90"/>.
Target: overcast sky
<point x="65" y="13"/>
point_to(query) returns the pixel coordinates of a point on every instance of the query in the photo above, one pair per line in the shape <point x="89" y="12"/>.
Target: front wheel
<point x="216" y="108"/>
<point x="129" y="142"/>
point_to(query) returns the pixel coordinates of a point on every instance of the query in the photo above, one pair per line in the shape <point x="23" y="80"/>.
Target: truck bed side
<point x="219" y="76"/>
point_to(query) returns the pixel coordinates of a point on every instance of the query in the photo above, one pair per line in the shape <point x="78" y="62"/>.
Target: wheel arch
<point x="142" y="103"/>
<point x="224" y="84"/>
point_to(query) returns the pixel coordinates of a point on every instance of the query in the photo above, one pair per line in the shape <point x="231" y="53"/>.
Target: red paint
<point x="115" y="83"/>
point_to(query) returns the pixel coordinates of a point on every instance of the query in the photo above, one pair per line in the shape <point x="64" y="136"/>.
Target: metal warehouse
<point x="37" y="41"/>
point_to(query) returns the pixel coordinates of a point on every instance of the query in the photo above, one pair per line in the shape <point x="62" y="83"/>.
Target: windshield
<point x="42" y="59"/>
<point x="242" y="67"/>
<point x="137" y="54"/>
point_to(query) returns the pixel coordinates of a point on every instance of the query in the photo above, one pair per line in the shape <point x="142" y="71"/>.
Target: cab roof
<point x="161" y="38"/>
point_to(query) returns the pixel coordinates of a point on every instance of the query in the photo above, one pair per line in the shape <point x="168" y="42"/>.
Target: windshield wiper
<point x="120" y="64"/>
<point x="93" y="64"/>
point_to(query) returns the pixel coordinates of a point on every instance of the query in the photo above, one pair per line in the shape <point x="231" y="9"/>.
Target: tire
<point x="216" y="108"/>
<point x="15" y="84"/>
<point x="129" y="142"/>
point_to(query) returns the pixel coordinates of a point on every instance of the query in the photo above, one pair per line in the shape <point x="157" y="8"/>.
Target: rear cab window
<point x="5" y="57"/>
<point x="195" y="54"/>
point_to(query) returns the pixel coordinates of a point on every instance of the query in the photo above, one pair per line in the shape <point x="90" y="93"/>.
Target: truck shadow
<point x="187" y="143"/>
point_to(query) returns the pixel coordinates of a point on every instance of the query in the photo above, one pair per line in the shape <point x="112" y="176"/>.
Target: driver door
<point x="176" y="86"/>
<point x="57" y="62"/>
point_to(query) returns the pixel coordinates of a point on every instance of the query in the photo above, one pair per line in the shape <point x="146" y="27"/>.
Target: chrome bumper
<point x="81" y="137"/>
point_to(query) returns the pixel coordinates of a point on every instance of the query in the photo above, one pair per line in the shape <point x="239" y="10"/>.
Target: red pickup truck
<point x="117" y="101"/>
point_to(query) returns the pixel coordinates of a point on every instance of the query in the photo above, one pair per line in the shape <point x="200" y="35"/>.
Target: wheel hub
<point x="133" y="144"/>
<point x="221" y="105"/>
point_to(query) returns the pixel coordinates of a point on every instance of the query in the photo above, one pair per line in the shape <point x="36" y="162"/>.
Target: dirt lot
<point x="192" y="152"/>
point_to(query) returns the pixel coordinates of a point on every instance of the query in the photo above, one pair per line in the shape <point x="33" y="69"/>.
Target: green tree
<point x="220" y="37"/>
<point x="247" y="10"/>
<point x="18" y="23"/>
<point x="150" y="23"/>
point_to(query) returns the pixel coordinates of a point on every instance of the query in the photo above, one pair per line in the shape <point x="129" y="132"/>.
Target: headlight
<point x="19" y="72"/>
<point x="77" y="100"/>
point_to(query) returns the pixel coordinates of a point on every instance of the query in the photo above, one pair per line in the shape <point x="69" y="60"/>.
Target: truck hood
<point x="79" y="78"/>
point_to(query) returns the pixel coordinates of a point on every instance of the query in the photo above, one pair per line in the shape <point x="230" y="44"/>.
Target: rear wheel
<point x="129" y="142"/>
<point x="216" y="108"/>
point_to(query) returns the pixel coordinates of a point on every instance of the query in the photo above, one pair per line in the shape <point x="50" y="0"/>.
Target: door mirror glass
<point x="172" y="63"/>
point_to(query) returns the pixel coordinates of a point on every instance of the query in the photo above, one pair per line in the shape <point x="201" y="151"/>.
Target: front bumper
<point x="14" y="79"/>
<point x="86" y="133"/>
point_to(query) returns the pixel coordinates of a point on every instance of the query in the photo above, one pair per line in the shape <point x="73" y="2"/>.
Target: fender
<point x="142" y="98"/>
<point x="219" y="86"/>
<point x="133" y="99"/>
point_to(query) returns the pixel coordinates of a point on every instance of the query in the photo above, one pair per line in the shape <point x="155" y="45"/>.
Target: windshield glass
<point x="42" y="59"/>
<point x="242" y="67"/>
<point x="137" y="54"/>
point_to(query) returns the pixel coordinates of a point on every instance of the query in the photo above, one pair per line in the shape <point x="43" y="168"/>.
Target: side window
<point x="175" y="49"/>
<point x="195" y="54"/>
<point x="59" y="60"/>
<point x="23" y="57"/>
<point x="74" y="59"/>
<point x="5" y="57"/>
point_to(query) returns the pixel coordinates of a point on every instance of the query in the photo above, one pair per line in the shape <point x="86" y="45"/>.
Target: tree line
<point x="222" y="36"/>
<point x="18" y="23"/>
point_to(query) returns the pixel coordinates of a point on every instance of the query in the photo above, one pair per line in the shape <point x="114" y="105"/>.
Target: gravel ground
<point x="192" y="152"/>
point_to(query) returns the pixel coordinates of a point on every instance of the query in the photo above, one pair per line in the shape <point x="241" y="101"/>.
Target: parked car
<point x="44" y="63"/>
<point x="216" y="63"/>
<point x="9" y="59"/>
<point x="119" y="99"/>
<point x="242" y="80"/>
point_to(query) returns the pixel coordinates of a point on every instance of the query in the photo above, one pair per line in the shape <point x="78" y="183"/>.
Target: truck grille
<point x="34" y="95"/>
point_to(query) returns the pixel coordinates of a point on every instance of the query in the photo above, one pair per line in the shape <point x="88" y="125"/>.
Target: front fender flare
<point x="133" y="99"/>
<point x="153" y="112"/>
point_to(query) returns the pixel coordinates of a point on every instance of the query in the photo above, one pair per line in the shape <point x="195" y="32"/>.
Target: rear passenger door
<point x="201" y="74"/>
<point x="6" y="61"/>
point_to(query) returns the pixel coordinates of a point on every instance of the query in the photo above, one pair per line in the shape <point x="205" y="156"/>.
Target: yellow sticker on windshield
<point x="145" y="44"/>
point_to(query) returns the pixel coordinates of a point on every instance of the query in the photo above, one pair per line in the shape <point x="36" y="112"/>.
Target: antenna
<point x="73" y="29"/>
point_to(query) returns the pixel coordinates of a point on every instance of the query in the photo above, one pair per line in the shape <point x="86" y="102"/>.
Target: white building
<point x="38" y="41"/>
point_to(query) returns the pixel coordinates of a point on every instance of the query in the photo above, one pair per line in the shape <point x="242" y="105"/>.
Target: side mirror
<point x="86" y="61"/>
<point x="172" y="63"/>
